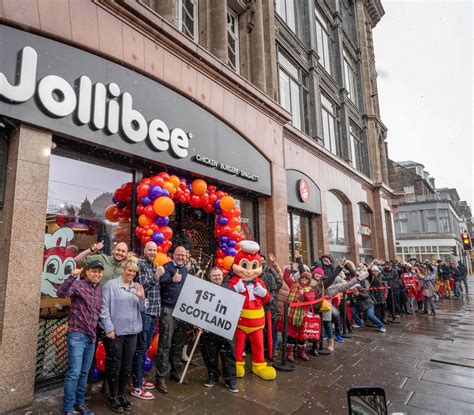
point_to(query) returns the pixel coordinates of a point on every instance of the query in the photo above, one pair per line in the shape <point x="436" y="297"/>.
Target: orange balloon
<point x="170" y="187"/>
<point x="161" y="259"/>
<point x="227" y="203"/>
<point x="237" y="228"/>
<point x="111" y="213"/>
<point x="227" y="262"/>
<point x="144" y="220"/>
<point x="175" y="180"/>
<point x="163" y="206"/>
<point x="199" y="187"/>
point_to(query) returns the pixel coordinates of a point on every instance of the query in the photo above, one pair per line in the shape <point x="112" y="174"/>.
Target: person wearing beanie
<point x="301" y="290"/>
<point x="379" y="293"/>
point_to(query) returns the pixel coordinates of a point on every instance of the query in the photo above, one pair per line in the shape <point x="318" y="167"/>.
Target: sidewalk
<point x="400" y="360"/>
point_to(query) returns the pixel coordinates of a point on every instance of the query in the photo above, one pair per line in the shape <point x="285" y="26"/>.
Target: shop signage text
<point x="209" y="306"/>
<point x="225" y="167"/>
<point x="101" y="107"/>
<point x="365" y="230"/>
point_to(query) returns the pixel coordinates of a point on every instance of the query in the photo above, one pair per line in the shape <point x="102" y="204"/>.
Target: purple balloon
<point x="222" y="220"/>
<point x="146" y="201"/>
<point x="154" y="192"/>
<point x="223" y="239"/>
<point x="114" y="200"/>
<point x="223" y="246"/>
<point x="162" y="220"/>
<point x="218" y="211"/>
<point x="230" y="251"/>
<point x="164" y="192"/>
<point x="96" y="374"/>
<point x="231" y="243"/>
<point x="147" y="364"/>
<point x="157" y="237"/>
<point x="120" y="205"/>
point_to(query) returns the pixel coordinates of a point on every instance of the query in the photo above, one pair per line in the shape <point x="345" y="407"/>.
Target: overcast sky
<point x="423" y="53"/>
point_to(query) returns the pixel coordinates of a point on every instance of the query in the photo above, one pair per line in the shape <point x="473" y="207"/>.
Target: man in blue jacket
<point x="172" y="330"/>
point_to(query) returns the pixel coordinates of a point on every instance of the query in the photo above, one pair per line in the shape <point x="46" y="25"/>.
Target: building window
<point x="323" y="41"/>
<point x="293" y="92"/>
<point x="358" y="150"/>
<point x="336" y="209"/>
<point x="286" y="10"/>
<point x="401" y="222"/>
<point x="299" y="230"/>
<point x="233" y="40"/>
<point x="350" y="78"/>
<point x="365" y="227"/>
<point x="432" y="222"/>
<point x="187" y="16"/>
<point x="415" y="221"/>
<point x="328" y="111"/>
<point x="444" y="220"/>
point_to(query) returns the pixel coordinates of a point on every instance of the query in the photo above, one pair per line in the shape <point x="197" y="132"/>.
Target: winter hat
<point x="376" y="268"/>
<point x="318" y="271"/>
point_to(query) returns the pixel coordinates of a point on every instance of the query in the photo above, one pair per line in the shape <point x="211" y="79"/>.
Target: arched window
<point x="336" y="209"/>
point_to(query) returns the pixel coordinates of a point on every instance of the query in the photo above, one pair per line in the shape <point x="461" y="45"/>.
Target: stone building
<point x="429" y="220"/>
<point x="276" y="102"/>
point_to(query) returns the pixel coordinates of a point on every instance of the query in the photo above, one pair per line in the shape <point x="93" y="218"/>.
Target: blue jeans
<point x="143" y="343"/>
<point x="370" y="315"/>
<point x="80" y="351"/>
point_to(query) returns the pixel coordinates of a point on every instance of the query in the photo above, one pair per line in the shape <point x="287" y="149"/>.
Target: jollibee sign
<point x="103" y="107"/>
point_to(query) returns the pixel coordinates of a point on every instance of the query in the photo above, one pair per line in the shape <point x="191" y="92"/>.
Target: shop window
<point x="329" y="112"/>
<point x="81" y="210"/>
<point x="293" y="91"/>
<point x="187" y="17"/>
<point x="365" y="227"/>
<point x="323" y="40"/>
<point x="337" y="220"/>
<point x="299" y="230"/>
<point x="286" y="10"/>
<point x="247" y="218"/>
<point x="233" y="39"/>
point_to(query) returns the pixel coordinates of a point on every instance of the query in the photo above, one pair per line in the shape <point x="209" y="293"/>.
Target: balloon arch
<point x="156" y="198"/>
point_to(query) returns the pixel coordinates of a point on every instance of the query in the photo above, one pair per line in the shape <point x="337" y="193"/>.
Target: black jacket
<point x="170" y="290"/>
<point x="363" y="301"/>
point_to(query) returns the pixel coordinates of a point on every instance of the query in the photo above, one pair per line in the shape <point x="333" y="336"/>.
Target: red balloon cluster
<point x="121" y="211"/>
<point x="157" y="197"/>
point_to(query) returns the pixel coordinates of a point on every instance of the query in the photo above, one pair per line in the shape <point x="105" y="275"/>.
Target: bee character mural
<point x="58" y="260"/>
<point x="247" y="268"/>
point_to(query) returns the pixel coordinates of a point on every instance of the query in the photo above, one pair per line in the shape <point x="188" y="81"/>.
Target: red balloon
<point x="138" y="231"/>
<point x="121" y="195"/>
<point x="212" y="198"/>
<point x="234" y="222"/>
<point x="237" y="212"/>
<point x="100" y="352"/>
<point x="142" y="189"/>
<point x="167" y="232"/>
<point x="229" y="214"/>
<point x="194" y="201"/>
<point x="149" y="211"/>
<point x="204" y="199"/>
<point x="220" y="194"/>
<point x="226" y="230"/>
<point x="208" y="208"/>
<point x="165" y="176"/>
<point x="220" y="253"/>
<point x="157" y="181"/>
<point x="146" y="181"/>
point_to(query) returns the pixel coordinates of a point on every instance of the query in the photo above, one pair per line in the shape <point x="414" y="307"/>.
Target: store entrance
<point x="194" y="228"/>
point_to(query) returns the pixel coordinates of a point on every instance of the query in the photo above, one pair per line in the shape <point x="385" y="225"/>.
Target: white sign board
<point x="209" y="306"/>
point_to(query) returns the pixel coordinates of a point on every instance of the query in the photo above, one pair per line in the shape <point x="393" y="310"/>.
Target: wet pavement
<point x="425" y="364"/>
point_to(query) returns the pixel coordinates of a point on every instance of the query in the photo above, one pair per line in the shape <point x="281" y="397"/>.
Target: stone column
<point x="22" y="222"/>
<point x="379" y="238"/>
<point x="257" y="48"/>
<point x="218" y="28"/>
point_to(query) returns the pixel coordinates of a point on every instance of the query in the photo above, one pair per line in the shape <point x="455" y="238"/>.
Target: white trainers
<point x="142" y="394"/>
<point x="382" y="329"/>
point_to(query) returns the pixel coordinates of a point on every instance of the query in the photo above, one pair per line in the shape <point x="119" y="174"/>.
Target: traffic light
<point x="466" y="241"/>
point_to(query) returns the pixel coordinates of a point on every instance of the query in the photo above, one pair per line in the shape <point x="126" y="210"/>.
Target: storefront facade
<point x="92" y="99"/>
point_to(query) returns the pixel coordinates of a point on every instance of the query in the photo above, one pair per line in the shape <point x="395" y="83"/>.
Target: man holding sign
<point x="213" y="345"/>
<point x="172" y="330"/>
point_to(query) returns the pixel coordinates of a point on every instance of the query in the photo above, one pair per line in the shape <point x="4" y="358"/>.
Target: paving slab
<point x="441" y="390"/>
<point x="440" y="404"/>
<point x="448" y="379"/>
<point x="453" y="360"/>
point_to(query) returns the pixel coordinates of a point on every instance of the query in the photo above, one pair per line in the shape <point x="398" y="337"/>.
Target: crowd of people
<point x="121" y="299"/>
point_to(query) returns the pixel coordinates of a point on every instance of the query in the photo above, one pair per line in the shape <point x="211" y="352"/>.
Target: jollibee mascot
<point x="247" y="268"/>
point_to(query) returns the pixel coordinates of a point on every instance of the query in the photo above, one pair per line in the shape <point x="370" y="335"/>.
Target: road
<point x="400" y="361"/>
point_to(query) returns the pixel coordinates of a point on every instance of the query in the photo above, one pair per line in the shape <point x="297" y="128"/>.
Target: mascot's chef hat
<point x="251" y="247"/>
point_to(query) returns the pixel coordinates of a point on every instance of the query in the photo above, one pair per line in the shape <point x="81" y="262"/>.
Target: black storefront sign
<point x="302" y="192"/>
<point x="78" y="94"/>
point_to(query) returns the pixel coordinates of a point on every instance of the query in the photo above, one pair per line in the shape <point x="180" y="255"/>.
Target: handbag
<point x="325" y="304"/>
<point x="311" y="327"/>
